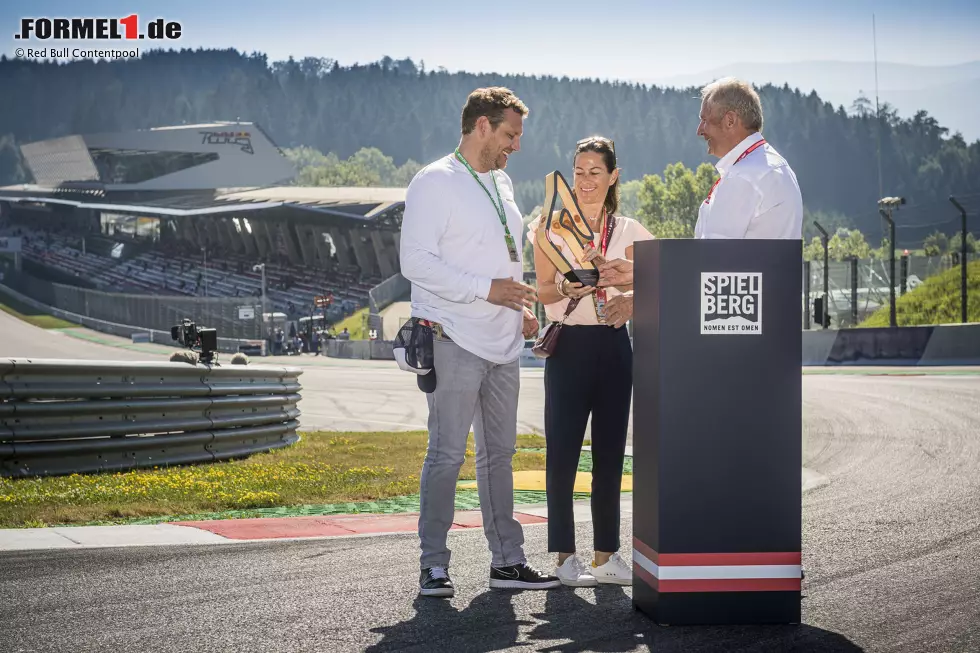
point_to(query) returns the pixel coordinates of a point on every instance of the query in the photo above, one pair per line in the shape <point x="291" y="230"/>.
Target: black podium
<point x="717" y="431"/>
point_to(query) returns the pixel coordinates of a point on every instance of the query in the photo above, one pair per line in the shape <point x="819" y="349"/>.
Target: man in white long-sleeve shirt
<point x="461" y="254"/>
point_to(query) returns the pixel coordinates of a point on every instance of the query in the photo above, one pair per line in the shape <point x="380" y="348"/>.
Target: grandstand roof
<point x="190" y="170"/>
<point x="170" y="158"/>
<point x="357" y="203"/>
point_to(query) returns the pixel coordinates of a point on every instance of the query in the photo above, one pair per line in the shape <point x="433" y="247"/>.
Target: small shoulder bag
<point x="545" y="345"/>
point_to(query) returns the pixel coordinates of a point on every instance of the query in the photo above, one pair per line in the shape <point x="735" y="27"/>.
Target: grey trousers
<point x="471" y="391"/>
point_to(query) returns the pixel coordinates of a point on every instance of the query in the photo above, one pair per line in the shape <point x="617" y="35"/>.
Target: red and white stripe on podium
<point x="717" y="572"/>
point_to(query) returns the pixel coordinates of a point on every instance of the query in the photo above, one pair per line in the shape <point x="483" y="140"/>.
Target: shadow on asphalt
<point x="572" y="623"/>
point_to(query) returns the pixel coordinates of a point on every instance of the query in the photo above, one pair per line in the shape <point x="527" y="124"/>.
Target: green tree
<point x="652" y="200"/>
<point x="528" y="243"/>
<point x="668" y="206"/>
<point x="705" y="177"/>
<point x="830" y="220"/>
<point x="682" y="199"/>
<point x="936" y="244"/>
<point x="367" y="167"/>
<point x="814" y="251"/>
<point x="883" y="252"/>
<point x="843" y="245"/>
<point x="402" y="177"/>
<point x="629" y="197"/>
<point x="370" y="162"/>
<point x="846" y="244"/>
<point x="971" y="243"/>
<point x="671" y="228"/>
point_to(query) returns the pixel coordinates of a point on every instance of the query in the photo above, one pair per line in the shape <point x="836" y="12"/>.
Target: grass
<point x="936" y="301"/>
<point x="356" y="324"/>
<point x="31" y="315"/>
<point x="323" y="468"/>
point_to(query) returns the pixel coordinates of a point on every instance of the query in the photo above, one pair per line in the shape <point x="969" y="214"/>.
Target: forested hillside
<point x="412" y="114"/>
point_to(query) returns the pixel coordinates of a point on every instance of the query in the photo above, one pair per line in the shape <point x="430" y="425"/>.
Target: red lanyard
<point x="606" y="236"/>
<point x="744" y="154"/>
<point x="600" y="293"/>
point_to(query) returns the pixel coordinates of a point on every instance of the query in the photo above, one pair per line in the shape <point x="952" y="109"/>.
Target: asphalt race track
<point x="891" y="547"/>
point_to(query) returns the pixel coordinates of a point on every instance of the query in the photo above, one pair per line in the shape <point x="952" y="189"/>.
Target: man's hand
<point x="512" y="294"/>
<point x="618" y="272"/>
<point x="592" y="254"/>
<point x="619" y="309"/>
<point x="531" y="325"/>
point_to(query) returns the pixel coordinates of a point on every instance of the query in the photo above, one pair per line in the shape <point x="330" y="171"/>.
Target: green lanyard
<point x="498" y="206"/>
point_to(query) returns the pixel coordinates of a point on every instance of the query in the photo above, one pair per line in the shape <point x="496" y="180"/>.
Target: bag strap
<point x="607" y="236"/>
<point x="571" y="307"/>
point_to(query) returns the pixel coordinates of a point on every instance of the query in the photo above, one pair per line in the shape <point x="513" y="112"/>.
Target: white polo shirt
<point x="756" y="197"/>
<point x="452" y="247"/>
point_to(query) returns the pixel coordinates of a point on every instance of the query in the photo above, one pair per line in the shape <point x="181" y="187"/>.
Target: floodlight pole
<point x="963" y="290"/>
<point x="263" y="292"/>
<point x="891" y="266"/>
<point x="261" y="267"/>
<point x="825" y="238"/>
<point x="885" y="207"/>
<point x="205" y="250"/>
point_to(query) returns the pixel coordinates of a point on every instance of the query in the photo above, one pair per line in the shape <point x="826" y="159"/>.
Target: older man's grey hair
<point x="730" y="94"/>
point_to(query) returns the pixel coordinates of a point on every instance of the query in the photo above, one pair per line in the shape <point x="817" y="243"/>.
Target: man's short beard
<point x="489" y="158"/>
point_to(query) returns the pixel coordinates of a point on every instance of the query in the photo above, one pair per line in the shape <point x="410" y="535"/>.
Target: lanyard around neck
<point x="498" y="205"/>
<point x="606" y="233"/>
<point x="744" y="154"/>
<point x="599" y="299"/>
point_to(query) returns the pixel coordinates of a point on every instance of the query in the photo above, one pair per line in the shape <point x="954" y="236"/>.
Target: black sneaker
<point x="521" y="576"/>
<point x="435" y="582"/>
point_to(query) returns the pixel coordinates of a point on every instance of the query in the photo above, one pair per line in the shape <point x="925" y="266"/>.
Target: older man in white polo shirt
<point x="756" y="196"/>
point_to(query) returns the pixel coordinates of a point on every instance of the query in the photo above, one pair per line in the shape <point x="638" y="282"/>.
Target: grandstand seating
<point x="290" y="289"/>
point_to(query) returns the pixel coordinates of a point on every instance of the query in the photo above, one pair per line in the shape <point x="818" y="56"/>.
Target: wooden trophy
<point x="571" y="227"/>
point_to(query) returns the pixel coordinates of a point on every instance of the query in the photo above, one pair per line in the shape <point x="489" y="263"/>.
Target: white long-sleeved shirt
<point x="759" y="197"/>
<point x="452" y="247"/>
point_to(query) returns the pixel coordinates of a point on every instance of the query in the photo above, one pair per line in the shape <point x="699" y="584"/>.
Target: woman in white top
<point x="590" y="372"/>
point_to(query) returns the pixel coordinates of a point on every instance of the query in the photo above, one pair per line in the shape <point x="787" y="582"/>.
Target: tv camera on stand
<point x="202" y="340"/>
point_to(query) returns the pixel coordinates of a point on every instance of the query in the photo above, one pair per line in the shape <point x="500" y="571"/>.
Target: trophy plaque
<point x="568" y="224"/>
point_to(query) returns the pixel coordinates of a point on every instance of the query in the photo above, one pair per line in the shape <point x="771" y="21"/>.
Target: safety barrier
<point x="941" y="344"/>
<point x="157" y="312"/>
<point x="65" y="416"/>
<point x="360" y="349"/>
<point x="227" y="345"/>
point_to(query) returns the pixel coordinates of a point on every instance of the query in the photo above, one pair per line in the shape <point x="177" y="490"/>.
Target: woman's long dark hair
<point x="607" y="148"/>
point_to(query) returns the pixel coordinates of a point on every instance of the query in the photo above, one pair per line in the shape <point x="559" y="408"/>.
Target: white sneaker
<point x="615" y="572"/>
<point x="575" y="573"/>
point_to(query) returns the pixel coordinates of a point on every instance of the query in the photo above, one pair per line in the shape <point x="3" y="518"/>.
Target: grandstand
<point x="188" y="211"/>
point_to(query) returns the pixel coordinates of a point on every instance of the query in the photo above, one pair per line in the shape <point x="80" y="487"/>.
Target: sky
<point x="629" y="39"/>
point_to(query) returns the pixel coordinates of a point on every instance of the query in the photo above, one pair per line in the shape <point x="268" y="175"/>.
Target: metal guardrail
<point x="65" y="416"/>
